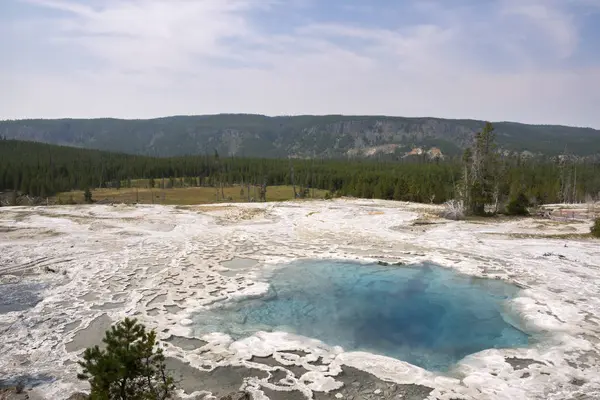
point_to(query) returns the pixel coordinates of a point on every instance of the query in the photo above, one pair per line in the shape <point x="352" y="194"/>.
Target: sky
<point x="532" y="61"/>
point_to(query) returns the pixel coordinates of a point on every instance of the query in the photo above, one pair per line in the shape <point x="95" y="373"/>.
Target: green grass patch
<point x="180" y="196"/>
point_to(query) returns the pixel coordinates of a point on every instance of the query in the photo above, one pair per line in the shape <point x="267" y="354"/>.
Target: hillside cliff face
<point x="298" y="136"/>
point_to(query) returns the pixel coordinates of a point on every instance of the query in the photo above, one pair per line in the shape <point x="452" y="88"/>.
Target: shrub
<point x="87" y="195"/>
<point x="14" y="198"/>
<point x="328" y="196"/>
<point x="20" y="386"/>
<point x="596" y="228"/>
<point x="454" y="210"/>
<point x="518" y="205"/>
<point x="129" y="368"/>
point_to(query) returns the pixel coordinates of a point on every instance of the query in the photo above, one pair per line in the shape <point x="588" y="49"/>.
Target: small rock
<point x="186" y="322"/>
<point x="12" y="394"/>
<point x="237" y="396"/>
<point x="78" y="396"/>
<point x="577" y="382"/>
<point x="339" y="396"/>
<point x="377" y="391"/>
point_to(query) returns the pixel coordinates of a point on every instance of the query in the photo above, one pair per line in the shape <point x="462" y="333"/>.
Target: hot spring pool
<point x="426" y="315"/>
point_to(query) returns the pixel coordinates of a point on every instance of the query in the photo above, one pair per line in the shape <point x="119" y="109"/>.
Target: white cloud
<point x="153" y="34"/>
<point x="149" y="58"/>
<point x="550" y="20"/>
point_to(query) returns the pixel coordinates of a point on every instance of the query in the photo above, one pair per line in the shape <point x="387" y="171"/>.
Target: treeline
<point x="43" y="170"/>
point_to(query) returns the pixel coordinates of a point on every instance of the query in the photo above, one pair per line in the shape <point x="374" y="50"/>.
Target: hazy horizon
<point x="526" y="61"/>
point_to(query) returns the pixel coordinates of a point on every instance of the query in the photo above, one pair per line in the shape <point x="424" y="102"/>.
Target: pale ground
<point x="160" y="263"/>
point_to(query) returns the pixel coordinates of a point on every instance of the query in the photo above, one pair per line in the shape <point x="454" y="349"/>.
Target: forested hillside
<point x="331" y="136"/>
<point x="41" y="170"/>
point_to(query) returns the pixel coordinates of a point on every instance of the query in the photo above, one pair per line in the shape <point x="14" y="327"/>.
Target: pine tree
<point x="14" y="200"/>
<point x="87" y="196"/>
<point x="378" y="191"/>
<point x="42" y="192"/>
<point x="131" y="367"/>
<point x="25" y="183"/>
<point x="595" y="230"/>
<point x="480" y="168"/>
<point x="398" y="192"/>
<point x="518" y="205"/>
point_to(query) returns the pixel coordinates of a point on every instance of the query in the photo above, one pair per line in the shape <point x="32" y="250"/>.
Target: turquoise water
<point x="426" y="315"/>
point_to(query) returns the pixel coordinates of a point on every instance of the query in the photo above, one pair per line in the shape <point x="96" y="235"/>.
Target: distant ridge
<point x="327" y="136"/>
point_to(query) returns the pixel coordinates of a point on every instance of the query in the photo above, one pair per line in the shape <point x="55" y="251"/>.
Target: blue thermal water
<point x="426" y="315"/>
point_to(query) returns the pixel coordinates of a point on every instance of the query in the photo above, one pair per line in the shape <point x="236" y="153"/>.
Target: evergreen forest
<point x="43" y="170"/>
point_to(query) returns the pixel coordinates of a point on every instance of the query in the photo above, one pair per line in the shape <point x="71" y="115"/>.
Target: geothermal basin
<point x="288" y="301"/>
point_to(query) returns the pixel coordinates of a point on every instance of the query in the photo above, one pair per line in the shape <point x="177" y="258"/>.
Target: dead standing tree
<point x="292" y="178"/>
<point x="263" y="191"/>
<point x="567" y="165"/>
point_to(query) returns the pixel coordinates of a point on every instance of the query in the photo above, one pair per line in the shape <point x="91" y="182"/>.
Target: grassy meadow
<point x="181" y="196"/>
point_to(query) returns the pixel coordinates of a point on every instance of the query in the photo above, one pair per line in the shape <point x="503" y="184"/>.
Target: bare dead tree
<point x="292" y="178"/>
<point x="574" y="198"/>
<point x="263" y="191"/>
